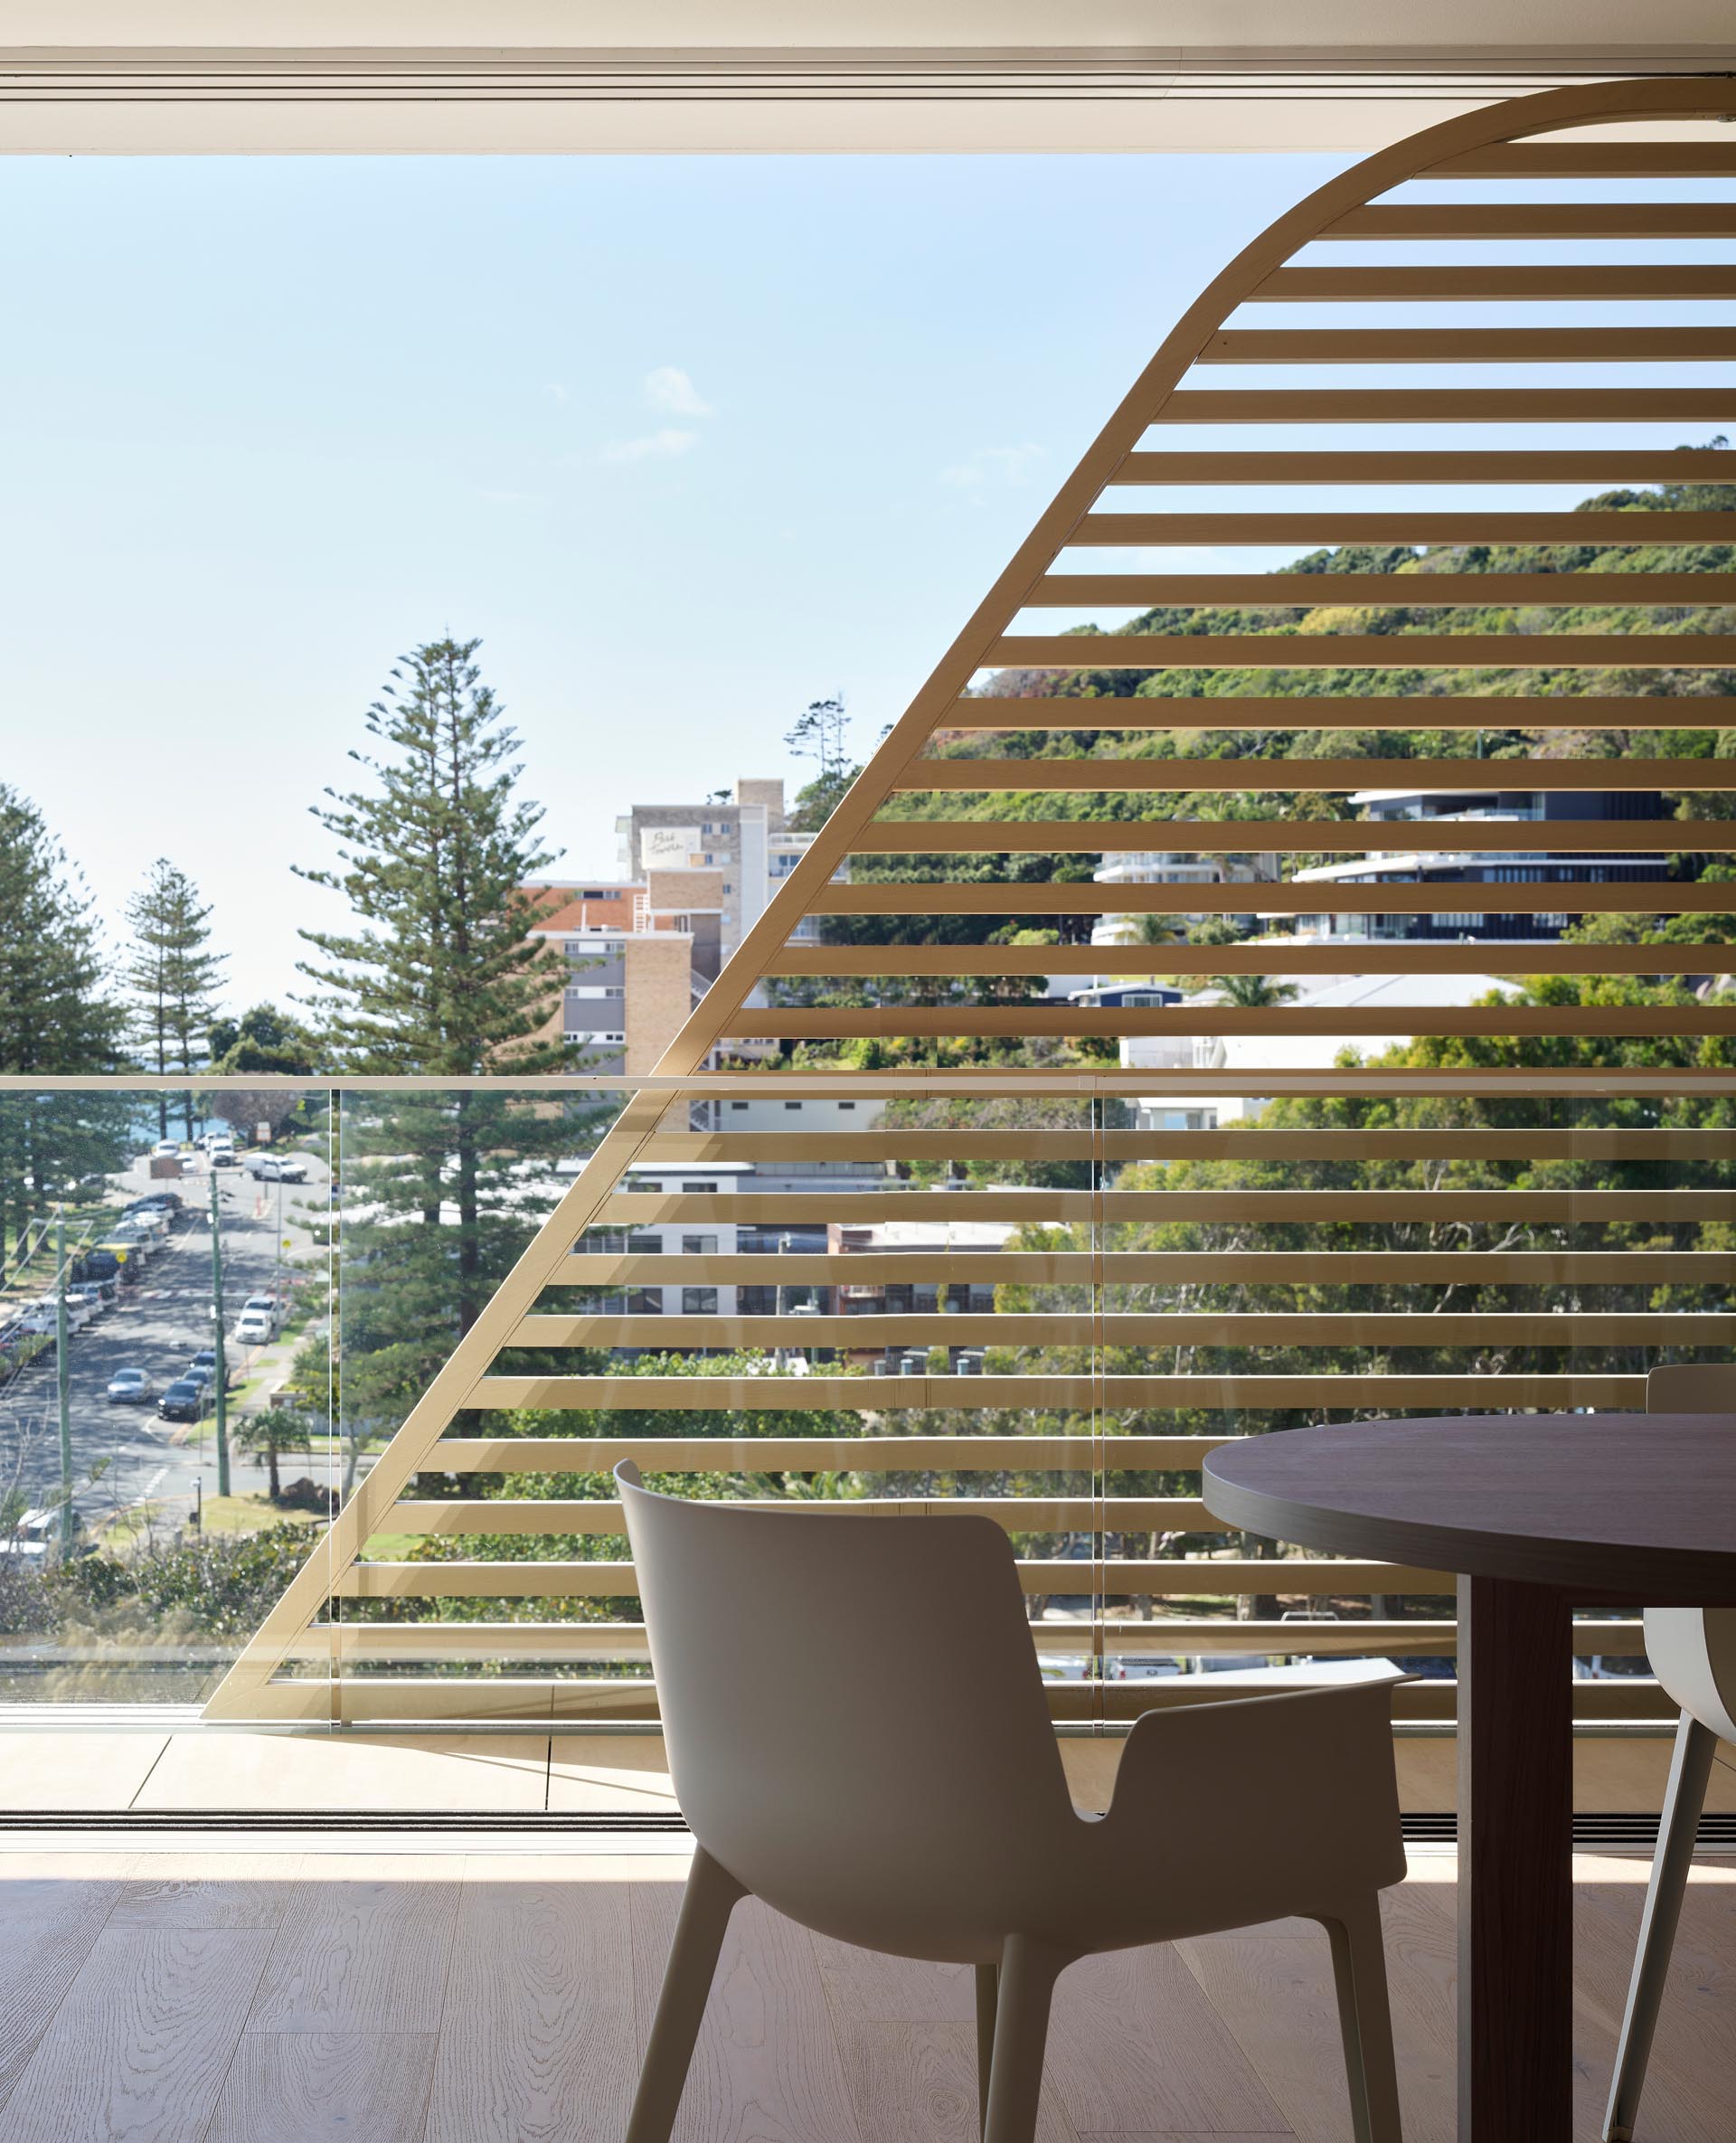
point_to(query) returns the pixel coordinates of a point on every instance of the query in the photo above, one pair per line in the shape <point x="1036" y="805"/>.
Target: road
<point x="157" y="1324"/>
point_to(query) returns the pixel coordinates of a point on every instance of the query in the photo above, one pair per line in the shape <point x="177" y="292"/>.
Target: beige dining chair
<point x="858" y="1734"/>
<point x="1693" y="1653"/>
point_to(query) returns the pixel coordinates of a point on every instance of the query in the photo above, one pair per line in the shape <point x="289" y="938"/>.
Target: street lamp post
<point x="222" y="1420"/>
<point x="69" y="1517"/>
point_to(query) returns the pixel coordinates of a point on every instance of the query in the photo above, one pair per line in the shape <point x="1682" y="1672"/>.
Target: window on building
<point x="645" y="1246"/>
<point x="699" y="1246"/>
<point x="699" y="1188"/>
<point x="699" y="1302"/>
<point x="792" y="1104"/>
<point x="738" y="1104"/>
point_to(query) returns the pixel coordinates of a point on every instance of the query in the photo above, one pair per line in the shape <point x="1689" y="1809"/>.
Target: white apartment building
<point x="1173" y="867"/>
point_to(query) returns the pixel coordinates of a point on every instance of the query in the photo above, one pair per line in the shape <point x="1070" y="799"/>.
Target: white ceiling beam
<point x="479" y="76"/>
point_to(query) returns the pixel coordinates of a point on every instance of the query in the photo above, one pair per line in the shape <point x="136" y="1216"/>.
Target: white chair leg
<point x="1677" y="1826"/>
<point x="705" y="1907"/>
<point x="989" y="1989"/>
<point x="1028" y="1973"/>
<point x="1365" y="2020"/>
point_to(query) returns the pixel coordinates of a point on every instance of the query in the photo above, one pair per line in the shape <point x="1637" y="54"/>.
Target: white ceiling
<point x="807" y="75"/>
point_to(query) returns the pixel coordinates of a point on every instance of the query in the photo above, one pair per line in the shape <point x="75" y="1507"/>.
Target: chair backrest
<point x="847" y="1699"/>
<point x="1692" y="1650"/>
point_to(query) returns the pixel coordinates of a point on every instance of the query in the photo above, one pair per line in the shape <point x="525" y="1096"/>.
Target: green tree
<point x="58" y="1016"/>
<point x="264" y="1039"/>
<point x="441" y="976"/>
<point x="171" y="975"/>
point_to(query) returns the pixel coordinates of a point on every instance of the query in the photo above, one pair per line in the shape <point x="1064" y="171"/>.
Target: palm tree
<point x="1255" y="990"/>
<point x="277" y="1429"/>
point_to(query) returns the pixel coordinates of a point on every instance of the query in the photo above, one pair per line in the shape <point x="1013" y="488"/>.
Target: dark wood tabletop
<point x="1598" y="1504"/>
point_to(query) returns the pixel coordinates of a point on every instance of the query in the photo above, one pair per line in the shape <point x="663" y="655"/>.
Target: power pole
<point x="221" y="1423"/>
<point x="69" y="1519"/>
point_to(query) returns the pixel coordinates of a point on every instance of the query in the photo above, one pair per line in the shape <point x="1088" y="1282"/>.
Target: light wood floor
<point x="286" y="1998"/>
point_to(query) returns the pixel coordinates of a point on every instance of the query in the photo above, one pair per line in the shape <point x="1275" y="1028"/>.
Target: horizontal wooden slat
<point x="1710" y="403"/>
<point x="1341" y="836"/>
<point x="1258" y="956"/>
<point x="1178" y="1580"/>
<point x="1403" y="523"/>
<point x="840" y="1022"/>
<point x="1168" y="1636"/>
<point x="1345" y="650"/>
<point x="1284" y="777"/>
<point x="878" y="1394"/>
<point x="1526" y="284"/>
<point x="985" y="1266"/>
<point x="1286" y="897"/>
<point x="505" y="1517"/>
<point x="1236" y="1142"/>
<point x="1536" y="219"/>
<point x="400" y="1701"/>
<point x="1575" y="157"/>
<point x="899" y="1203"/>
<point x="1357" y="1329"/>
<point x="822" y="1454"/>
<point x="551" y="1642"/>
<point x="1329" y="710"/>
<point x="1413" y="591"/>
<point x="1596" y="463"/>
<point x="1477" y="345"/>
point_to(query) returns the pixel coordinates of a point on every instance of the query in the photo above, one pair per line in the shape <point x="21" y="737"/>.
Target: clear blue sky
<point x="269" y="421"/>
<point x="688" y="442"/>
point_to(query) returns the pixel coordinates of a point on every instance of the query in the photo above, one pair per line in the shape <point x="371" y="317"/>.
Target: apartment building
<point x="633" y="970"/>
<point x="1483" y="872"/>
<point x="731" y="851"/>
<point x="1173" y="867"/>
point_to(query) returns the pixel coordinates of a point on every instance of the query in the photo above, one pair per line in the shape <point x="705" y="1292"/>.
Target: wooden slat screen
<point x="1022" y="1276"/>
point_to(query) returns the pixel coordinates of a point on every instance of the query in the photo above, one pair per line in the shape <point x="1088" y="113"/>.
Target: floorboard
<point x="52" y="1920"/>
<point x="362" y="1947"/>
<point x="550" y="2049"/>
<point x="142" y="2040"/>
<point x="319" y="2087"/>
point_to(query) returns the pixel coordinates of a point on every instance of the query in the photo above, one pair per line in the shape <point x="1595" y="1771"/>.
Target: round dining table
<point x="1527" y="1516"/>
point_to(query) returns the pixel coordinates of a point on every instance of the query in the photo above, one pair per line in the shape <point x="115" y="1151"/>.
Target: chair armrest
<point x="1305" y="1776"/>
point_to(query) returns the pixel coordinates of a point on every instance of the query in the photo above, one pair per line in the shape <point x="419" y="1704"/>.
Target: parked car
<point x="254" y="1327"/>
<point x="79" y="1312"/>
<point x="221" y="1156"/>
<point x="182" y="1400"/>
<point x="38" y="1319"/>
<point x="133" y="1386"/>
<point x="204" y="1365"/>
<point x="267" y="1306"/>
<point x="167" y="1147"/>
<point x="95" y="1294"/>
<point x="277" y="1167"/>
<point x="166" y="1203"/>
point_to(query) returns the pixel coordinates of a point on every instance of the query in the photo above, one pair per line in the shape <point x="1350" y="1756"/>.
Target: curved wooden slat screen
<point x="1591" y="1194"/>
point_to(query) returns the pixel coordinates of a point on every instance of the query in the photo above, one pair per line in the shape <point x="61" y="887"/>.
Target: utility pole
<point x="217" y="1310"/>
<point x="69" y="1517"/>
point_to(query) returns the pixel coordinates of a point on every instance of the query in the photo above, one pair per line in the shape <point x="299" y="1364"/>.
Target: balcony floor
<point x="440" y="1998"/>
<point x="185" y="1768"/>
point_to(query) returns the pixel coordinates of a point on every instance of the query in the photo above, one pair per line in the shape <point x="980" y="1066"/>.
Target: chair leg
<point x="711" y="1896"/>
<point x="1684" y="1799"/>
<point x="988" y="1995"/>
<point x="1365" y="2020"/>
<point x="1028" y="1973"/>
